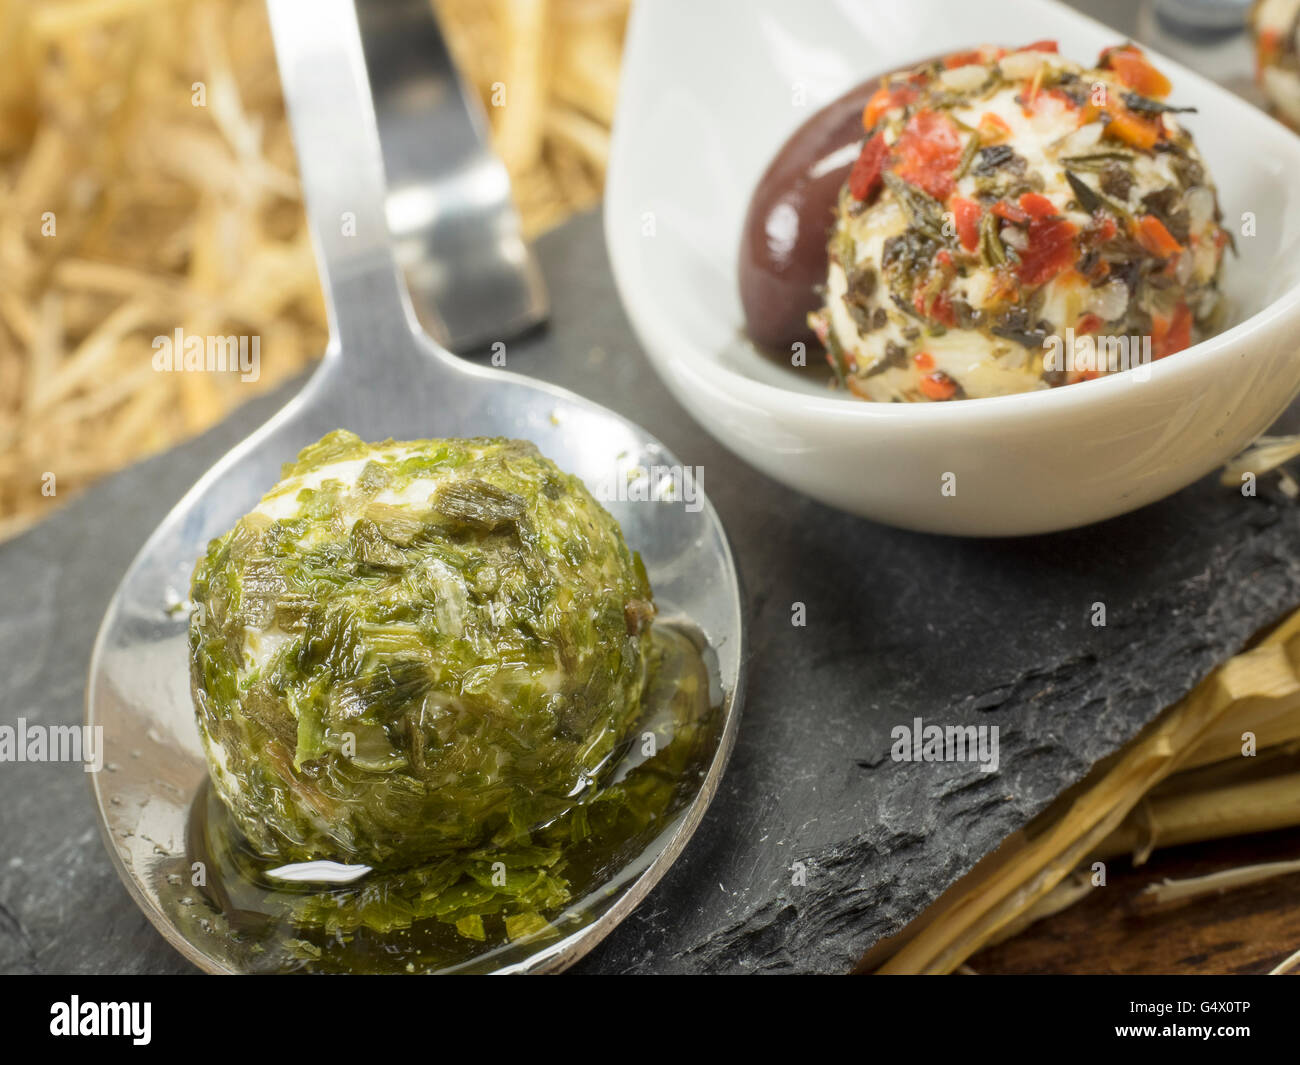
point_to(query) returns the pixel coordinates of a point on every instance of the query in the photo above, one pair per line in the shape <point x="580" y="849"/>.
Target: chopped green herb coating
<point x="412" y="649"/>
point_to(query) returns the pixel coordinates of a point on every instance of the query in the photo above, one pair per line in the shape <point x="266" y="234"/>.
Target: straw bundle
<point x="1223" y="761"/>
<point x="148" y="183"/>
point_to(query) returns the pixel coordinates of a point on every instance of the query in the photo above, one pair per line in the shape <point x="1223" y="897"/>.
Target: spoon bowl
<point x="380" y="377"/>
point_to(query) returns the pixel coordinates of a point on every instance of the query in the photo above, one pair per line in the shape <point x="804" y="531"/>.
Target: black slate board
<point x="898" y="625"/>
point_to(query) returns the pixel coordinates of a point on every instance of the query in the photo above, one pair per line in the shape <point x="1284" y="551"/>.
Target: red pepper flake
<point x="1036" y="205"/>
<point x="1152" y="235"/>
<point x="1103" y="227"/>
<point x="1173" y="334"/>
<point x="938" y="386"/>
<point x="928" y="152"/>
<point x="941" y="310"/>
<point x="876" y="106"/>
<point x="1267" y="47"/>
<point x="884" y="100"/>
<point x="1139" y="132"/>
<point x="992" y="129"/>
<point x="1050" y="237"/>
<point x="1034" y="95"/>
<point x="1029" y="94"/>
<point x="1010" y="212"/>
<point x="864" y="178"/>
<point x="1050" y="250"/>
<point x="1067" y="101"/>
<point x="1003" y="287"/>
<point x="1098" y="272"/>
<point x="962" y="59"/>
<point x="1133" y="69"/>
<point x="938" y="308"/>
<point x="924" y="361"/>
<point x="966" y="216"/>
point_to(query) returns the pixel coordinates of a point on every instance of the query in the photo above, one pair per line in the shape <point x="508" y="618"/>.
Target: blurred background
<point x="147" y="180"/>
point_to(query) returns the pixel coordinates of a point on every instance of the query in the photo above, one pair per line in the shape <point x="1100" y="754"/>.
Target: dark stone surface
<point x="898" y="625"/>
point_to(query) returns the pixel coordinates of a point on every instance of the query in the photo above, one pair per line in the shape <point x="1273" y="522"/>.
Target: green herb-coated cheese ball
<point x="413" y="648"/>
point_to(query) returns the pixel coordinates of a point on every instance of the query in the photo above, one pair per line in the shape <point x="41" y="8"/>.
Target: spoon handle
<point x="327" y="95"/>
<point x="396" y="170"/>
<point x="456" y="233"/>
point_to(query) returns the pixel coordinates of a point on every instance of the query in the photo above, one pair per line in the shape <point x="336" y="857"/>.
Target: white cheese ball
<point x="1003" y="199"/>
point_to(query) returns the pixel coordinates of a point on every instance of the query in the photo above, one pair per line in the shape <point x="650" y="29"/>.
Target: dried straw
<point x="1192" y="775"/>
<point x="148" y="182"/>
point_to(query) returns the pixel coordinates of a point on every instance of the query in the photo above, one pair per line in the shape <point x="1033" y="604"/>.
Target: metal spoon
<point x="380" y="377"/>
<point x="471" y="277"/>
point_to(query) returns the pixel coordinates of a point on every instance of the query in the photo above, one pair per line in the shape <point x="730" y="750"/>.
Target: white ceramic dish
<point x="710" y="92"/>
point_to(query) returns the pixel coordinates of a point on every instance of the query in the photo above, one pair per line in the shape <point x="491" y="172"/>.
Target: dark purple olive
<point x="783" y="244"/>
